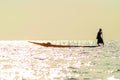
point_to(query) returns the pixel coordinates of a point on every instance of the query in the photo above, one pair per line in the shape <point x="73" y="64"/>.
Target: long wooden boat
<point x="48" y="44"/>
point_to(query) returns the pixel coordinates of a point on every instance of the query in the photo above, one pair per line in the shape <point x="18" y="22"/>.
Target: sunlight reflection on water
<point x="21" y="60"/>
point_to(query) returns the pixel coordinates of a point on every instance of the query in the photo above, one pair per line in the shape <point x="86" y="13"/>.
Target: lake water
<point x="21" y="60"/>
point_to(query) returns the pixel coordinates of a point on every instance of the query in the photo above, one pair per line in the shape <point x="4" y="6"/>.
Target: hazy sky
<point x="59" y="19"/>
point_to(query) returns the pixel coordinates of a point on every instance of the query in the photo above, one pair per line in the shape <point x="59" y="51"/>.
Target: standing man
<point x="100" y="37"/>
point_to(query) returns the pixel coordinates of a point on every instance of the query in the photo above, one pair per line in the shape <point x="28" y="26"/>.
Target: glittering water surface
<point x="21" y="60"/>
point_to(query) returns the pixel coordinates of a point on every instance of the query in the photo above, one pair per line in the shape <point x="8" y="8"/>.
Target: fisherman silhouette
<point x="100" y="37"/>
